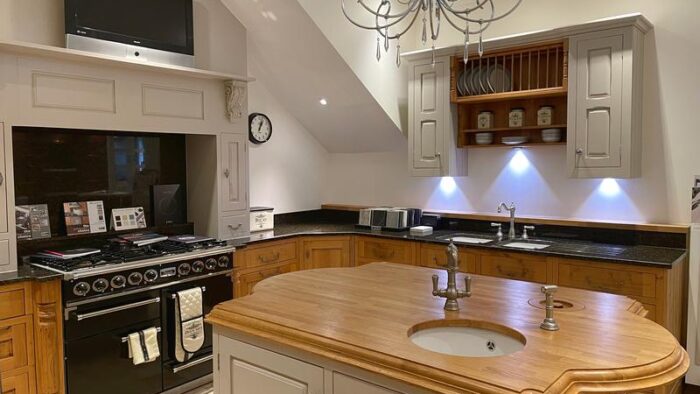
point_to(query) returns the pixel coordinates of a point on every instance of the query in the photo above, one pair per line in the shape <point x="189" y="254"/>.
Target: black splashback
<point x="53" y="166"/>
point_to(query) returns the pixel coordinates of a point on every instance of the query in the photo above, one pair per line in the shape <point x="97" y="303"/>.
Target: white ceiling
<point x="300" y="66"/>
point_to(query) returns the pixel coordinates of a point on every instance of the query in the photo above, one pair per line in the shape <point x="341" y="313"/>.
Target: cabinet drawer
<point x="13" y="301"/>
<point x="234" y="226"/>
<point x="371" y="250"/>
<point x="434" y="256"/>
<point x="514" y="266"/>
<point x="17" y="381"/>
<point x="246" y="281"/>
<point x="269" y="253"/>
<point x="15" y="343"/>
<point x="591" y="276"/>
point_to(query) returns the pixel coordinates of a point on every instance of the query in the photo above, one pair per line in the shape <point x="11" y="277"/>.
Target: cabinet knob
<point x="227" y="173"/>
<point x="2" y="179"/>
<point x="579" y="151"/>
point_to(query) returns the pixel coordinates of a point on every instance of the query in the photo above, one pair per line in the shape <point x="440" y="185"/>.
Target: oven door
<point x="217" y="289"/>
<point x="96" y="350"/>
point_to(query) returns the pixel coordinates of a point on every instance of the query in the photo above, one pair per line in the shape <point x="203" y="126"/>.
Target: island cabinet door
<point x="325" y="252"/>
<point x="343" y="384"/>
<point x="246" y="369"/>
<point x="516" y="266"/>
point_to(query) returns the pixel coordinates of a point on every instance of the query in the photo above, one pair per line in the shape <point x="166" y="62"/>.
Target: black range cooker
<point x="126" y="289"/>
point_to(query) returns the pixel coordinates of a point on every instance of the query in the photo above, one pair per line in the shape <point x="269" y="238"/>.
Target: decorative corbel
<point x="235" y="99"/>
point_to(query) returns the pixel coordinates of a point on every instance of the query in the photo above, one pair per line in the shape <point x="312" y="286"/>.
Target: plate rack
<point x="526" y="77"/>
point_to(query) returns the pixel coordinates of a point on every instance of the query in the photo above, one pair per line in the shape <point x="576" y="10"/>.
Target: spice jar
<point x="516" y="117"/>
<point x="544" y="116"/>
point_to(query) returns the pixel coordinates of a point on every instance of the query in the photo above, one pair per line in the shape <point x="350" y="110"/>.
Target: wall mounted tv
<point x="134" y="28"/>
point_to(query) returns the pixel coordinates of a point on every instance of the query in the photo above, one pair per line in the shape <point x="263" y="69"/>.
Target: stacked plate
<point x="484" y="79"/>
<point x="551" y="135"/>
<point x="516" y="140"/>
<point x="483" y="138"/>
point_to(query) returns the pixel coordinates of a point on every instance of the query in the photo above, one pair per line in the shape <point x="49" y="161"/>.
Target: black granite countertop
<point x="27" y="272"/>
<point x="656" y="256"/>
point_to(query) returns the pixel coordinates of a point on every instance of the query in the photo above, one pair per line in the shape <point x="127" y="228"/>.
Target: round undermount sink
<point x="467" y="338"/>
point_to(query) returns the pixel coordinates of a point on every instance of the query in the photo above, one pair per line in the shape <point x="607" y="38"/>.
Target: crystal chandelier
<point x="470" y="17"/>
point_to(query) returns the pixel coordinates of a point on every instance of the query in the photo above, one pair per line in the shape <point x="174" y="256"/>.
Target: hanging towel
<point x="189" y="323"/>
<point x="143" y="346"/>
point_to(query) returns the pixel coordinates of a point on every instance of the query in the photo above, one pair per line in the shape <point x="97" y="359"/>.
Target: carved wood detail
<point x="236" y="95"/>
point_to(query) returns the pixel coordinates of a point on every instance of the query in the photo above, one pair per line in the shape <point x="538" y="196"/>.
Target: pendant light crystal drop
<point x="398" y="54"/>
<point x="433" y="62"/>
<point x="480" y="48"/>
<point x="386" y="40"/>
<point x="466" y="45"/>
<point x="379" y="50"/>
<point x="424" y="36"/>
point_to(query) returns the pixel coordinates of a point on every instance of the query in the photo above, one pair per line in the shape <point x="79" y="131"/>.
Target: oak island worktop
<point x="346" y="330"/>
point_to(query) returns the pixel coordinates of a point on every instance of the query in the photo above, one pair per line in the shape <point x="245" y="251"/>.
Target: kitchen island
<point x="348" y="330"/>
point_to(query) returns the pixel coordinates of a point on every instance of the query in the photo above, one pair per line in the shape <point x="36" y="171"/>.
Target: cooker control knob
<point x="223" y="261"/>
<point x="100" y="285"/>
<point x="198" y="266"/>
<point x="150" y="275"/>
<point x="118" y="282"/>
<point x="211" y="264"/>
<point x="184" y="269"/>
<point x="81" y="289"/>
<point x="135" y="278"/>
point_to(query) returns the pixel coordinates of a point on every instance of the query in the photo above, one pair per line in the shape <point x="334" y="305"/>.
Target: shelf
<point x="516" y="146"/>
<point x="25" y="48"/>
<point x="519" y="95"/>
<point x="524" y="128"/>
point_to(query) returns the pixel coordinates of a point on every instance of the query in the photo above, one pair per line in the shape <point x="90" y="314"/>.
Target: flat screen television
<point x="138" y="25"/>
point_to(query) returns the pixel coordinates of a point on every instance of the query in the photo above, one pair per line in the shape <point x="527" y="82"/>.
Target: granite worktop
<point x="26" y="272"/>
<point x="628" y="250"/>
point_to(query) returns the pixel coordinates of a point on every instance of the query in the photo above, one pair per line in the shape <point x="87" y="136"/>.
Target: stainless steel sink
<point x="466" y="239"/>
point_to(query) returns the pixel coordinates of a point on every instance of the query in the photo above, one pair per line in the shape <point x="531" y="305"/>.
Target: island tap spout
<point x="511" y="210"/>
<point x="452" y="293"/>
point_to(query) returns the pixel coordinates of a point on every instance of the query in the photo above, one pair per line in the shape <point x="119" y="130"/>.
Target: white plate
<point x="499" y="79"/>
<point x="513" y="140"/>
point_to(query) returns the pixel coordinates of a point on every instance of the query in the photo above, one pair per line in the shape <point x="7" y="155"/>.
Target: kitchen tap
<point x="452" y="293"/>
<point x="511" y="209"/>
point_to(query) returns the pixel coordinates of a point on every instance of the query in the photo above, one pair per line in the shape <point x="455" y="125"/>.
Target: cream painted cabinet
<point x="431" y="130"/>
<point x="234" y="172"/>
<point x="244" y="369"/>
<point x="605" y="100"/>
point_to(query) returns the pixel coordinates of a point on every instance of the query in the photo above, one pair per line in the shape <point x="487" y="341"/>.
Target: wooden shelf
<point x="501" y="129"/>
<point x="525" y="145"/>
<point x="25" y="48"/>
<point x="523" y="94"/>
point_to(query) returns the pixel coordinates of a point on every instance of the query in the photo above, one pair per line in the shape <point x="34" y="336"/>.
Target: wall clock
<point x="259" y="128"/>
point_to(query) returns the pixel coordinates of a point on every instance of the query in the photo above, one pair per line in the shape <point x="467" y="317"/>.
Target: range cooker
<point x="126" y="289"/>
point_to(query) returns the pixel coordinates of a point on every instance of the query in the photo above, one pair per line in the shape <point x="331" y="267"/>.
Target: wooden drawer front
<point x="13" y="301"/>
<point x="434" y="256"/>
<point x="246" y="281"/>
<point x="609" y="280"/>
<point x="15" y="339"/>
<point x="17" y="382"/>
<point x="372" y="250"/>
<point x="514" y="266"/>
<point x="272" y="253"/>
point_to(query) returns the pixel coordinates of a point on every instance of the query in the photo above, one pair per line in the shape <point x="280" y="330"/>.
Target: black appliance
<point x="125" y="289"/>
<point x="165" y="25"/>
<point x="168" y="204"/>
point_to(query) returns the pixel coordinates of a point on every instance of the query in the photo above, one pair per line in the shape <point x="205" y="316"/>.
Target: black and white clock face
<point x="260" y="128"/>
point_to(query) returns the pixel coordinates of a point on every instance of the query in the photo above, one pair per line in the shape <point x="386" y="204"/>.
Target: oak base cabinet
<point x="325" y="252"/>
<point x="434" y="256"/>
<point x="375" y="249"/>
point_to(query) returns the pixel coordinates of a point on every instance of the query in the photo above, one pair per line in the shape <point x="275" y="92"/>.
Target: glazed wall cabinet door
<point x="605" y="99"/>
<point x="234" y="172"/>
<point x="431" y="134"/>
<point x="245" y="369"/>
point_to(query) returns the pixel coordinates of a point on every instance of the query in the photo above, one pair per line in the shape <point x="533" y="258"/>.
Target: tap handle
<point x="549" y="289"/>
<point x="435" y="285"/>
<point x="499" y="226"/>
<point x="526" y="229"/>
<point x="468" y="286"/>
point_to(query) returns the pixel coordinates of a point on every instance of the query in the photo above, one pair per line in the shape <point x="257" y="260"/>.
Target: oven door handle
<point x="90" y="315"/>
<point x="193" y="363"/>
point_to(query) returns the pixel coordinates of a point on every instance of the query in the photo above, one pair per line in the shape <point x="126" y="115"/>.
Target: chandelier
<point x="393" y="18"/>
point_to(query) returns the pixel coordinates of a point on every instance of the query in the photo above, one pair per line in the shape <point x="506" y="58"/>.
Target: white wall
<point x="671" y="99"/>
<point x="287" y="172"/>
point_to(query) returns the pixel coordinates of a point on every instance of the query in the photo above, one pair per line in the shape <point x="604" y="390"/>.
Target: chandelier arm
<point x="479" y="4"/>
<point x="459" y="29"/>
<point x="412" y="7"/>
<point x="466" y="15"/>
<point x="434" y="33"/>
<point x="378" y="27"/>
<point x="493" y="18"/>
<point x="408" y="27"/>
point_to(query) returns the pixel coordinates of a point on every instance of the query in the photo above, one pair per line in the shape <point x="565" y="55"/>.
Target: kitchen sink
<point x="466" y="239"/>
<point x="481" y="340"/>
<point x="526" y="245"/>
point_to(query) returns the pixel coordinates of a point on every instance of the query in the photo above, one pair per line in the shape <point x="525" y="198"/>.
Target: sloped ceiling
<point x="300" y="66"/>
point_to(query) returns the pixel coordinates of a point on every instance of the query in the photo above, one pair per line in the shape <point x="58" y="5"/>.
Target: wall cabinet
<point x="234" y="172"/>
<point x="605" y="104"/>
<point x="325" y="252"/>
<point x="431" y="129"/>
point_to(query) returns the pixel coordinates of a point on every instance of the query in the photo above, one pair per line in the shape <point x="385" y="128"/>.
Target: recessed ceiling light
<point x="323" y="101"/>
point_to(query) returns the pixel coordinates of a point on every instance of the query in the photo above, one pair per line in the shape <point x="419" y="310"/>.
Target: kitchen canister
<point x="516" y="117"/>
<point x="485" y="120"/>
<point x="544" y="115"/>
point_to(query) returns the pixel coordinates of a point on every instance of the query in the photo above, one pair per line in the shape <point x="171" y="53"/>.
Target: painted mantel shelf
<point x="25" y="48"/>
<point x="354" y="321"/>
<point x="635" y="19"/>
